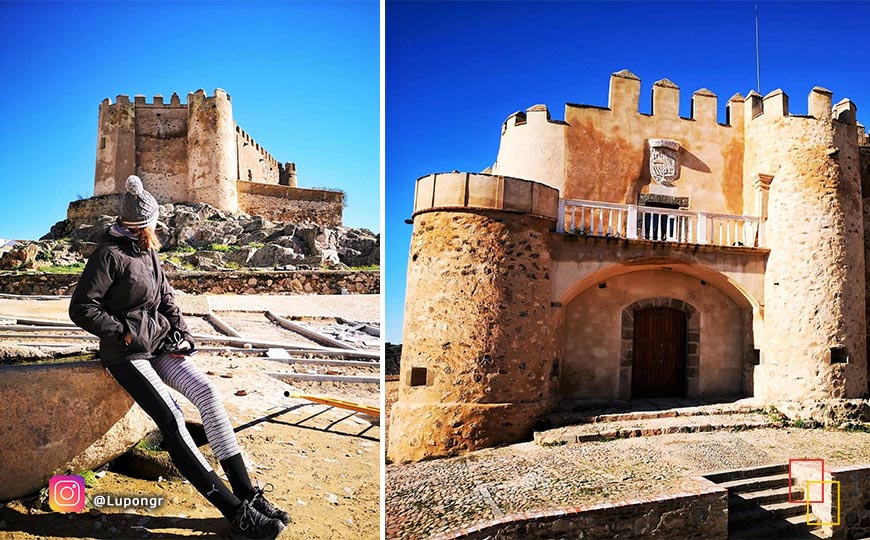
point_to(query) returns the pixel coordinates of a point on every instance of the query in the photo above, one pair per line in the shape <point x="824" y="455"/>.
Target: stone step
<point x="764" y="470"/>
<point x="769" y="512"/>
<point x="650" y="427"/>
<point x="738" y="501"/>
<point x="756" y="483"/>
<point x="565" y="418"/>
<point x="794" y="527"/>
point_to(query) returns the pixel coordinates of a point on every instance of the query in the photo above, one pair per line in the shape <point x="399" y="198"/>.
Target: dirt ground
<point x="323" y="462"/>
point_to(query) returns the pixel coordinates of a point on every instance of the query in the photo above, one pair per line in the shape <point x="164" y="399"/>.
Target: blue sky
<point x="304" y="80"/>
<point x="455" y="71"/>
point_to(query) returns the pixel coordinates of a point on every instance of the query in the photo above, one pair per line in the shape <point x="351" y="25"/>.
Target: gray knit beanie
<point x="138" y="207"/>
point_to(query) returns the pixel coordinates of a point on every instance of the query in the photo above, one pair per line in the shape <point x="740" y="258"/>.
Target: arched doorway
<point x="659" y="344"/>
<point x="660" y="349"/>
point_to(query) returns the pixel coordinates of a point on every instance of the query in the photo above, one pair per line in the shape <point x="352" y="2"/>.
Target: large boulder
<point x="21" y="256"/>
<point x="272" y="255"/>
<point x="62" y="416"/>
<point x="241" y="256"/>
<point x="358" y="247"/>
<point x="207" y="260"/>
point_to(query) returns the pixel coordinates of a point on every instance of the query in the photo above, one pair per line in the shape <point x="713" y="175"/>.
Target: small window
<point x="839" y="355"/>
<point x="755" y="357"/>
<point x="554" y="371"/>
<point x="418" y="376"/>
<point x="102" y="142"/>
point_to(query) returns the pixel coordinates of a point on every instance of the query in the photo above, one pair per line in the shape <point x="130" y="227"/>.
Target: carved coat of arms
<point x="664" y="163"/>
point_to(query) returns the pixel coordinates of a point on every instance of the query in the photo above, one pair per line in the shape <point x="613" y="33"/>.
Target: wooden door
<point x="659" y="363"/>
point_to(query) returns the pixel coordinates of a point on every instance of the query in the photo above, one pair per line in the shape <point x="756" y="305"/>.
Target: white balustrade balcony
<point x="633" y="222"/>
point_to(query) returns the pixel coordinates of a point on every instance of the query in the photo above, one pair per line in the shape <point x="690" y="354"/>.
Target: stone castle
<point x="619" y="255"/>
<point x="195" y="152"/>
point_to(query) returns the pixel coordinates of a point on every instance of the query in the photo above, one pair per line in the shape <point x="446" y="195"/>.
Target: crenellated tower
<point x="116" y="145"/>
<point x="211" y="152"/>
<point x="815" y="326"/>
<point x="479" y="361"/>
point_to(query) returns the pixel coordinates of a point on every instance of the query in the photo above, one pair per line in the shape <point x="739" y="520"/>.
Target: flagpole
<point x="757" y="58"/>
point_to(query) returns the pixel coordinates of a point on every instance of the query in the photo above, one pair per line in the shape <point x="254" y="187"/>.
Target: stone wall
<point x="853" y="513"/>
<point x="255" y="164"/>
<point x="854" y="501"/>
<point x="685" y="516"/>
<point x="161" y="151"/>
<point x="601" y="153"/>
<point x="864" y="160"/>
<point x="299" y="282"/>
<point x="296" y="205"/>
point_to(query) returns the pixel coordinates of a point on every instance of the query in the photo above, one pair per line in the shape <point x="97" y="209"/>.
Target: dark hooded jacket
<point x="123" y="289"/>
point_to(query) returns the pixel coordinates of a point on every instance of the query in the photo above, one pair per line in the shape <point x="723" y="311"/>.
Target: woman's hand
<point x="127" y="339"/>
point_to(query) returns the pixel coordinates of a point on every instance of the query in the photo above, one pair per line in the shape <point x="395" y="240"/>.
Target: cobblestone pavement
<point x="431" y="497"/>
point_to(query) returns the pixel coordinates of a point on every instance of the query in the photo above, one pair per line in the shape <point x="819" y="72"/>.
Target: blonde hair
<point x="148" y="239"/>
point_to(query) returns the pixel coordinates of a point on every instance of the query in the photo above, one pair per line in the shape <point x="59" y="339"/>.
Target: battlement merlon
<point x="624" y="99"/>
<point x="140" y="100"/>
<point x="248" y="140"/>
<point x="775" y="105"/>
<point x="536" y="114"/>
<point x="846" y="112"/>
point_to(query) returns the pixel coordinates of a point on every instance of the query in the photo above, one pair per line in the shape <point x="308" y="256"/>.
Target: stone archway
<point x="693" y="344"/>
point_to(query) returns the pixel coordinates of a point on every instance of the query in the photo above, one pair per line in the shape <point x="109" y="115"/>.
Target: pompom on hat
<point x="138" y="207"/>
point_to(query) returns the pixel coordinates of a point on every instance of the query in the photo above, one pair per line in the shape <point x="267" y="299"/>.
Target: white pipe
<point x="222" y="325"/>
<point x="316" y="377"/>
<point x="307" y="332"/>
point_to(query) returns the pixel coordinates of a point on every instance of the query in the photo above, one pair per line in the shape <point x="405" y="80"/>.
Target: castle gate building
<point x="622" y="255"/>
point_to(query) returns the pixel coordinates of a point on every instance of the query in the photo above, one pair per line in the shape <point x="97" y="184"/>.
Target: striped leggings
<point x="144" y="381"/>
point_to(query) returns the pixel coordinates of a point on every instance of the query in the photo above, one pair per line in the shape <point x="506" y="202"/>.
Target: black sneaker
<point x="249" y="523"/>
<point x="259" y="502"/>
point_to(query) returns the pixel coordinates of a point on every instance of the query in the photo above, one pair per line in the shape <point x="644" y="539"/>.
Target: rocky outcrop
<point x="201" y="237"/>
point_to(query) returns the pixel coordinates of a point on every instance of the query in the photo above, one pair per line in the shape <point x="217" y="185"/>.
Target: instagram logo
<point x="66" y="493"/>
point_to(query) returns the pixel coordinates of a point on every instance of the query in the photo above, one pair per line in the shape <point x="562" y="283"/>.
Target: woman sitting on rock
<point x="124" y="299"/>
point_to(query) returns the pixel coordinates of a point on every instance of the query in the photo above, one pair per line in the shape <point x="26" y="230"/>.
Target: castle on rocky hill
<point x="195" y="152"/>
<point x="619" y="255"/>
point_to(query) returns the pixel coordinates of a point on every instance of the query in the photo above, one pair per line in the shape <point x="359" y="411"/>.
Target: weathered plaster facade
<point x="195" y="152"/>
<point x="727" y="256"/>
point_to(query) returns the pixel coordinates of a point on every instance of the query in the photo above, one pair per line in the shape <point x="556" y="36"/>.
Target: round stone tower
<point x="211" y="150"/>
<point x="814" y="318"/>
<point x="480" y="357"/>
<point x="116" y="146"/>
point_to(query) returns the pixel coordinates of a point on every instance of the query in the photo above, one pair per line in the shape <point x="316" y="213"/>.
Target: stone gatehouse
<point x="619" y="255"/>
